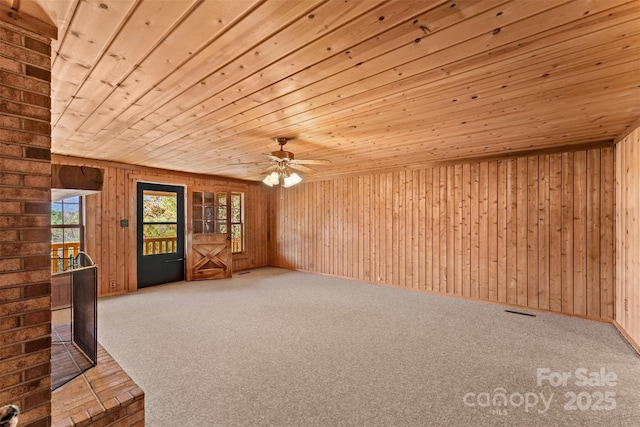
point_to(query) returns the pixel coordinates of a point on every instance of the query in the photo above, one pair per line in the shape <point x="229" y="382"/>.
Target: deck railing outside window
<point x="164" y="245"/>
<point x="62" y="255"/>
<point x="159" y="245"/>
<point x="236" y="245"/>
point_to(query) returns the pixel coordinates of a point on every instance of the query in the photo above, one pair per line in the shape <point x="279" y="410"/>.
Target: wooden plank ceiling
<point x="204" y="86"/>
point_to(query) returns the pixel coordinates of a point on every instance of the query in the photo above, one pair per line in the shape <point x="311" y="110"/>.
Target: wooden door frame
<point x="178" y="190"/>
<point x="132" y="227"/>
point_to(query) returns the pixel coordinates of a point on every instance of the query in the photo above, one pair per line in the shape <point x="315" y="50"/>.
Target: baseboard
<point x="464" y="297"/>
<point x="626" y="336"/>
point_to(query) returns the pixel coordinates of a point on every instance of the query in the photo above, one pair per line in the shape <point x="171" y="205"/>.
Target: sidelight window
<point x="237" y="223"/>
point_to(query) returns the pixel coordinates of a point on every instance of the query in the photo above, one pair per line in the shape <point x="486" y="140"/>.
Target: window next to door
<point x="237" y="223"/>
<point x="67" y="232"/>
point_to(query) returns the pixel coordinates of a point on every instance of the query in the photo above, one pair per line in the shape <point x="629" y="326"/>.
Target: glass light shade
<point x="272" y="179"/>
<point x="292" y="179"/>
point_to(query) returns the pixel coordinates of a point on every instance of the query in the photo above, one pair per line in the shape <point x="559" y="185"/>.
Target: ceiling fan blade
<point x="300" y="167"/>
<point x="313" y="162"/>
<point x="271" y="169"/>
<point x="247" y="163"/>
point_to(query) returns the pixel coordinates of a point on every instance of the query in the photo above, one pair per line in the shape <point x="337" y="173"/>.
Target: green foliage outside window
<point x="65" y="220"/>
<point x="237" y="225"/>
<point x="158" y="209"/>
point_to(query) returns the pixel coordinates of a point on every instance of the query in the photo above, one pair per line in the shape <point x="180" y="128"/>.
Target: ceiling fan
<point x="285" y="164"/>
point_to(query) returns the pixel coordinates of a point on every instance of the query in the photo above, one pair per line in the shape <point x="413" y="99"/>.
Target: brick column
<point x="25" y="168"/>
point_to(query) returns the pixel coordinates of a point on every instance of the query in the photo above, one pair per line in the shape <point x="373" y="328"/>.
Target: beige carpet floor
<point x="281" y="348"/>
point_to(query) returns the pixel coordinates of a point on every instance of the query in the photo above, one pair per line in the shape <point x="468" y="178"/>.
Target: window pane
<point x="70" y="213"/>
<point x="236" y="208"/>
<point x="208" y="212"/>
<point x="71" y="242"/>
<point x="160" y="238"/>
<point x="208" y="198"/>
<point x="197" y="212"/>
<point x="236" y="238"/>
<point x="66" y="232"/>
<point x="160" y="206"/>
<point x="56" y="213"/>
<point x="72" y="235"/>
<point x="222" y="212"/>
<point x="236" y="231"/>
<point x="222" y="199"/>
<point x="56" y="235"/>
<point x="153" y="231"/>
<point x="221" y="227"/>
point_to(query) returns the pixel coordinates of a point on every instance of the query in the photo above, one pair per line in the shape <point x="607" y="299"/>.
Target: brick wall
<point x="25" y="168"/>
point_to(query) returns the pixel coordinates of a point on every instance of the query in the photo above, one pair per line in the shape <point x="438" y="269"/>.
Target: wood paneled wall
<point x="113" y="247"/>
<point x="533" y="231"/>
<point x="628" y="235"/>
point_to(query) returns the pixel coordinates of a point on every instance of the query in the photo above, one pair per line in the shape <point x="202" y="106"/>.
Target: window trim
<point x="80" y="226"/>
<point x="241" y="223"/>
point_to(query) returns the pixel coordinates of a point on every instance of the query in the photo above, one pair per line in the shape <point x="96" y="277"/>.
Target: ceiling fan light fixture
<point x="285" y="162"/>
<point x="282" y="175"/>
<point x="292" y="179"/>
<point x="272" y="179"/>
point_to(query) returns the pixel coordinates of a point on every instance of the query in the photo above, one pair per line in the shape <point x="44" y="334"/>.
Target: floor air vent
<point x="521" y="313"/>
